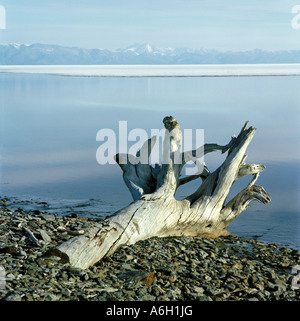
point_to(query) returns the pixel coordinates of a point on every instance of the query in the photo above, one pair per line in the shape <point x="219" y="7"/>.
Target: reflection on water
<point x="49" y="126"/>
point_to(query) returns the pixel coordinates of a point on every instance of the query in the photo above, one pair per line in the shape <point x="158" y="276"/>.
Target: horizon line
<point x="207" y="70"/>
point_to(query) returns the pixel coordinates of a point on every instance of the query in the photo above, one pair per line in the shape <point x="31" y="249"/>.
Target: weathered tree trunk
<point x="155" y="211"/>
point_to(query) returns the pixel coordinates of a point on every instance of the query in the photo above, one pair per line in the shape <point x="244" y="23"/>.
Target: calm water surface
<point x="49" y="126"/>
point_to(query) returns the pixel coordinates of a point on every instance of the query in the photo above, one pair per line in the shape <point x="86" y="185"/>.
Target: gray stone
<point x="52" y="297"/>
<point x="202" y="254"/>
<point x="45" y="236"/>
<point x="133" y="275"/>
<point x="147" y="297"/>
<point x="204" y="298"/>
<point x="49" y="218"/>
<point x="126" y="266"/>
<point x="174" y="293"/>
<point x="198" y="290"/>
<point x="14" y="297"/>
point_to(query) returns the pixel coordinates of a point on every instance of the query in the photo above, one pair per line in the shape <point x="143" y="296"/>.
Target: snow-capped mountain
<point x="139" y="49"/>
<point x="147" y="49"/>
<point x="44" y="54"/>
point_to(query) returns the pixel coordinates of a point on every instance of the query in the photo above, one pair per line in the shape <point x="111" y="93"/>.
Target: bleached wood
<point x="155" y="211"/>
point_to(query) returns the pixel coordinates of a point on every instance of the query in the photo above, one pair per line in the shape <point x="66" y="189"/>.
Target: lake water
<point x="48" y="139"/>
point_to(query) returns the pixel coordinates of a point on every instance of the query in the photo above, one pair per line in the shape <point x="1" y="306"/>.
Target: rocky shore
<point x="169" y="269"/>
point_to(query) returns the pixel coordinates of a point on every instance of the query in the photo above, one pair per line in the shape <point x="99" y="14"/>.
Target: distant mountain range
<point x="43" y="54"/>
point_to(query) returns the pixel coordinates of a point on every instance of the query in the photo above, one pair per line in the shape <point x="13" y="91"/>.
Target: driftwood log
<point x="156" y="212"/>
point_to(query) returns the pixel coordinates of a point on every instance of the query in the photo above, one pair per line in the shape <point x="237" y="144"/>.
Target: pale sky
<point x="211" y="24"/>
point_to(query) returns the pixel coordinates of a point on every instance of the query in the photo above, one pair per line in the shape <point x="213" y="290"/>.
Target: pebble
<point x="133" y="276"/>
<point x="45" y="236"/>
<point x="157" y="269"/>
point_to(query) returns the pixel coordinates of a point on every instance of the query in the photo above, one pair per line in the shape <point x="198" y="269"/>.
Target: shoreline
<point x="157" y="269"/>
<point x="200" y="70"/>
